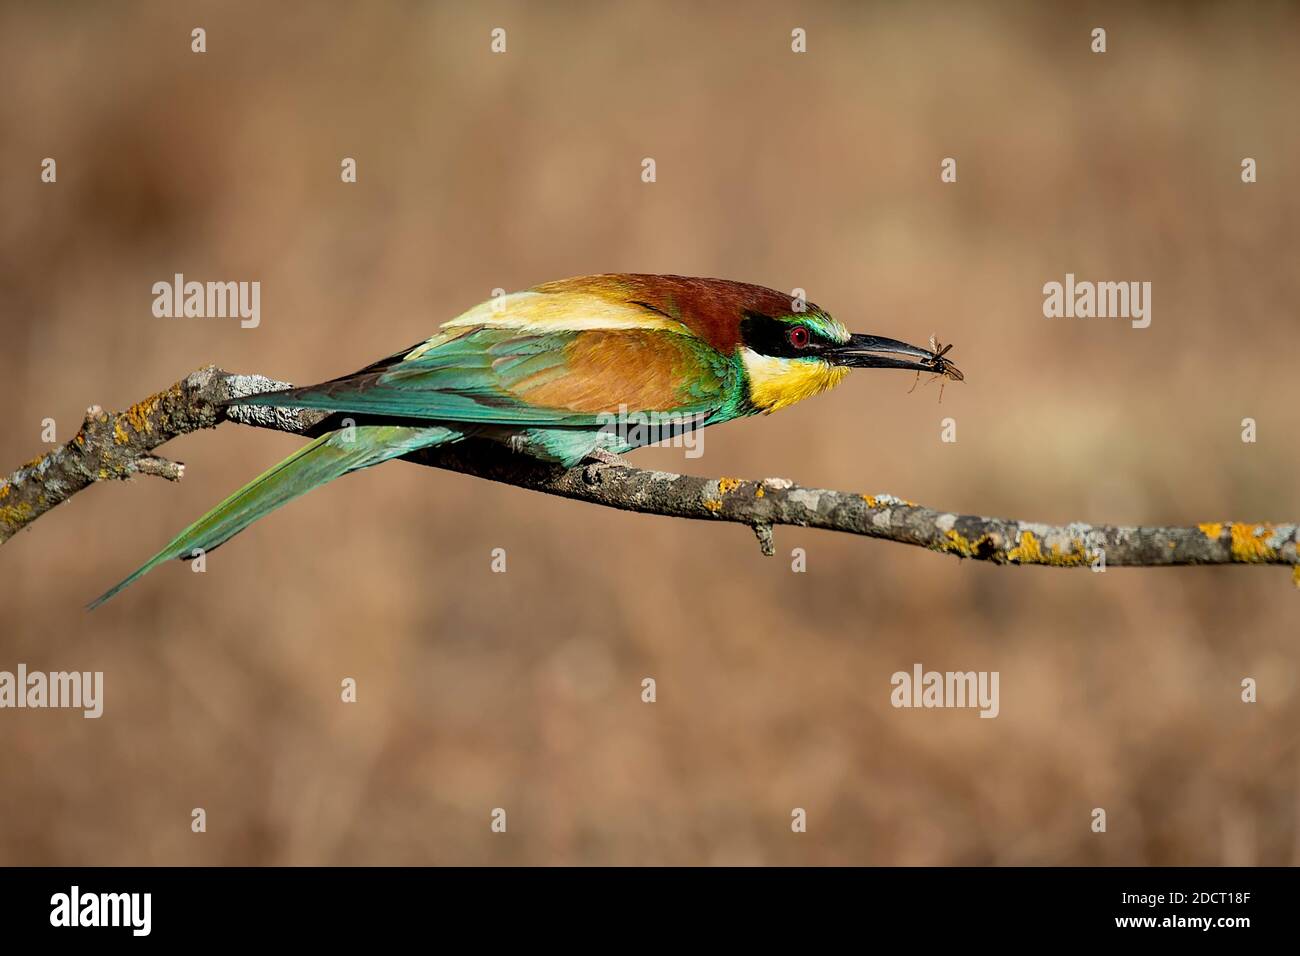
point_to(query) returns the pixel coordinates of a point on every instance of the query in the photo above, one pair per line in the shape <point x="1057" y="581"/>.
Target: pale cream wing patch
<point x="551" y="312"/>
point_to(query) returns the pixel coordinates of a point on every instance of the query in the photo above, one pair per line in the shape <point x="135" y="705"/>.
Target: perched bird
<point x="550" y="370"/>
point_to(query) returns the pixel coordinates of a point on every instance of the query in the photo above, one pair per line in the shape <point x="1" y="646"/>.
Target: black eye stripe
<point x="769" y="336"/>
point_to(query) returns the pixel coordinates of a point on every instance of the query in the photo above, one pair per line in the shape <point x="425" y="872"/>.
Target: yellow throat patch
<point x="777" y="382"/>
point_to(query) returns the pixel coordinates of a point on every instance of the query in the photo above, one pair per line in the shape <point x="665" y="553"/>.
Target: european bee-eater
<point x="548" y="371"/>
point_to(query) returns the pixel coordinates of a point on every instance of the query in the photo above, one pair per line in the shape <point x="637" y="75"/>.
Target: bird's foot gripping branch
<point x="121" y="445"/>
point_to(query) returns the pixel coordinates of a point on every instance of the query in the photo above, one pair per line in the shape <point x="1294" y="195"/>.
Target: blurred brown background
<point x="522" y="690"/>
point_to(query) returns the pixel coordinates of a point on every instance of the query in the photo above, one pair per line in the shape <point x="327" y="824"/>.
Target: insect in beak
<point x="939" y="366"/>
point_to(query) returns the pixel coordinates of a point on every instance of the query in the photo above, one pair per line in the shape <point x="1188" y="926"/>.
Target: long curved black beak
<point x="874" y="351"/>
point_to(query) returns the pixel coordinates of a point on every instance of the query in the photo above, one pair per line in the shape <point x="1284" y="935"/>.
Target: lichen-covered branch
<point x="121" y="445"/>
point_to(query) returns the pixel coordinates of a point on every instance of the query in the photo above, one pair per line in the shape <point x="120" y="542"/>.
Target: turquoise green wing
<point x="567" y="378"/>
<point x="328" y="457"/>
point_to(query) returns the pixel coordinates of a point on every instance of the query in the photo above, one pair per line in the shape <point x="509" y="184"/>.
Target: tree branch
<point x="119" y="446"/>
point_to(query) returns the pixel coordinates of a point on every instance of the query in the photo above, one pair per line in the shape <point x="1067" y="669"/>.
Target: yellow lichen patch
<point x="985" y="546"/>
<point x="727" y="485"/>
<point x="4" y="490"/>
<point x="139" y="416"/>
<point x="956" y="543"/>
<point x="1250" y="544"/>
<point x="1295" y="575"/>
<point x="759" y="493"/>
<point x="713" y="504"/>
<point x="1212" y="529"/>
<point x="877" y="501"/>
<point x="14" y="515"/>
<point x="1076" y="557"/>
<point x="1029" y="550"/>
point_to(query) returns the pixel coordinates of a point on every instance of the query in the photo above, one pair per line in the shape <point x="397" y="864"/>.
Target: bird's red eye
<point x="798" y="336"/>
